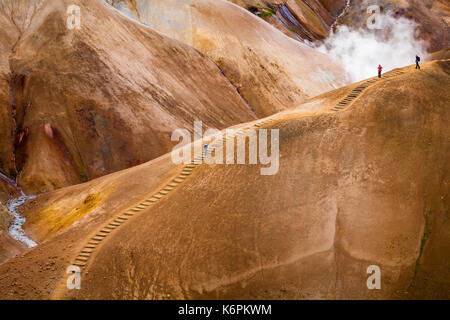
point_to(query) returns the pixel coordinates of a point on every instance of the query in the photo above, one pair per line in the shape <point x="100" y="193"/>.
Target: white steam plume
<point x="361" y="51"/>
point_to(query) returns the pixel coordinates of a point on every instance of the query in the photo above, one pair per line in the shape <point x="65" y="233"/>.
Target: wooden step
<point x="115" y="224"/>
<point x="102" y="235"/>
<point x="83" y="259"/>
<point x="79" y="264"/>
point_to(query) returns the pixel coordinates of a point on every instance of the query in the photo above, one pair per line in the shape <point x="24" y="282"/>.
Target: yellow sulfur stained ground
<point x="64" y="213"/>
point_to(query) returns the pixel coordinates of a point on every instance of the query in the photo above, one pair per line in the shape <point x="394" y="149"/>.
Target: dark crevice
<point x="335" y="250"/>
<point x="13" y="113"/>
<point x="290" y="22"/>
<point x="341" y="15"/>
<point x="423" y="242"/>
<point x="14" y="138"/>
<point x="239" y="92"/>
<point x="17" y="84"/>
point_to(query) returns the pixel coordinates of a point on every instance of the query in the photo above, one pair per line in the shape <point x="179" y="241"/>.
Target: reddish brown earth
<point x="272" y="71"/>
<point x="367" y="185"/>
<point x="100" y="99"/>
<point x="364" y="186"/>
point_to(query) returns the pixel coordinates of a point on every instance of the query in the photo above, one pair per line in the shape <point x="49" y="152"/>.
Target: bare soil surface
<point x="364" y="186"/>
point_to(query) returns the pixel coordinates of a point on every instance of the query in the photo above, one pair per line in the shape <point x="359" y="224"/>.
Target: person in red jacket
<point x="380" y="68"/>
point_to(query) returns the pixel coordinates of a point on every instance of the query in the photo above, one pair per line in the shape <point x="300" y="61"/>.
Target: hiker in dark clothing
<point x="417" y="62"/>
<point x="380" y="68"/>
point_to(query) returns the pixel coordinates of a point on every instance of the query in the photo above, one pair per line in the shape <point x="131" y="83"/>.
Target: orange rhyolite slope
<point x="102" y="98"/>
<point x="366" y="185"/>
<point x="272" y="71"/>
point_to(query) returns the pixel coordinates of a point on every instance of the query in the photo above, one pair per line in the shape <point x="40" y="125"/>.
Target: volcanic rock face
<point x="8" y="38"/>
<point x="272" y="71"/>
<point x="81" y="103"/>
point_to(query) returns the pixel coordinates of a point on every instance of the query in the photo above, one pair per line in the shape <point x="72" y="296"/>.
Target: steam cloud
<point x="361" y="51"/>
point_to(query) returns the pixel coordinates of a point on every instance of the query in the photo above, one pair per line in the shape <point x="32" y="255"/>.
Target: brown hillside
<point x="8" y="38"/>
<point x="102" y="98"/>
<point x="312" y="19"/>
<point x="367" y="185"/>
